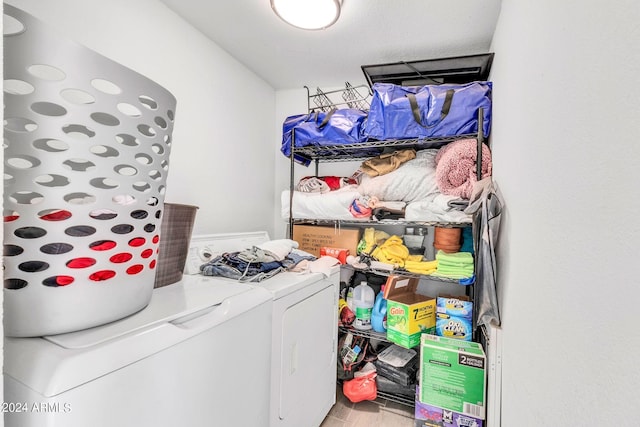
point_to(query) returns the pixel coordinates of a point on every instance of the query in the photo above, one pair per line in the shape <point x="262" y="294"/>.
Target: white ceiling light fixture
<point x="308" y="14"/>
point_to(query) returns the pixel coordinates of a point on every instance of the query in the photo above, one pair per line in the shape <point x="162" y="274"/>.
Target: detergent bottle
<point x="379" y="312"/>
<point x="363" y="299"/>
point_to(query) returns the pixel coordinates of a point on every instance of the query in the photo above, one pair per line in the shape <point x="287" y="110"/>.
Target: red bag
<point x="361" y="388"/>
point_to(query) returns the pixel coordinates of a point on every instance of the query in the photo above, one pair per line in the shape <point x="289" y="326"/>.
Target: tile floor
<point x="379" y="412"/>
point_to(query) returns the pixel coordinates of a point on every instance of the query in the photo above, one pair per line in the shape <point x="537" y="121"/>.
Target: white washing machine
<point x="304" y="333"/>
<point x="193" y="357"/>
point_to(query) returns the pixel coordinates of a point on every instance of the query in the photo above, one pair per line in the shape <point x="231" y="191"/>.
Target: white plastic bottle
<point x="350" y="298"/>
<point x="363" y="300"/>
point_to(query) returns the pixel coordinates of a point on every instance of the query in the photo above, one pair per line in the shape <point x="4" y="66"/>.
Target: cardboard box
<point x="452" y="375"/>
<point x="458" y="306"/>
<point x="409" y="314"/>
<point x="453" y="327"/>
<point x="454" y="317"/>
<point x="432" y="416"/>
<point x="311" y="238"/>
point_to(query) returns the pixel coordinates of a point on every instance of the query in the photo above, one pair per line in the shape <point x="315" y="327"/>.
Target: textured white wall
<point x="224" y="115"/>
<point x="566" y="158"/>
<point x="288" y="103"/>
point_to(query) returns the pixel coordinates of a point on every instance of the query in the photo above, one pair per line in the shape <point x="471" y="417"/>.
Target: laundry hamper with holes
<point x="86" y="160"/>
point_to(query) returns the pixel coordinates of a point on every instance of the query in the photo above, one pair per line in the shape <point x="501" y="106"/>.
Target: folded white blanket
<point x="436" y="207"/>
<point x="331" y="205"/>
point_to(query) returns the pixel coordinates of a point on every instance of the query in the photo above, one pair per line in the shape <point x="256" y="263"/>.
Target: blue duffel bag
<point x="337" y="127"/>
<point x="402" y="112"/>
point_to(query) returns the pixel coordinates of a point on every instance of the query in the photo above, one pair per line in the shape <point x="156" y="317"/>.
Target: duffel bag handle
<point x="326" y="118"/>
<point x="415" y="109"/>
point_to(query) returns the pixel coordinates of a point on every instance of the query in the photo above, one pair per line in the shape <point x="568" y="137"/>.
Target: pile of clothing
<point x="323" y="184"/>
<point x="377" y="249"/>
<point x="257" y="263"/>
<point x="391" y="250"/>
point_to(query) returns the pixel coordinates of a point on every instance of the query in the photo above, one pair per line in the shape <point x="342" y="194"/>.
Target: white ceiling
<point x="368" y="32"/>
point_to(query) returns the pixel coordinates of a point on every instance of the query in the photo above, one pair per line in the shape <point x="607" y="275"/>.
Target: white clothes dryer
<point x="304" y="332"/>
<point x="187" y="359"/>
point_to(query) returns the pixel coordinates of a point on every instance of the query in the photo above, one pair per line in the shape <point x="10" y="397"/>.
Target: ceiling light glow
<point x="307" y="14"/>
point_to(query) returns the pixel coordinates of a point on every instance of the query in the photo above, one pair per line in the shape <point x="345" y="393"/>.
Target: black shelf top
<point x="457" y="69"/>
<point x="372" y="223"/>
<point x="365" y="150"/>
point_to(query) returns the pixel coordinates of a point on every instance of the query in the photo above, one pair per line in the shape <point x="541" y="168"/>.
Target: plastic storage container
<point x="363" y="300"/>
<point x="86" y="161"/>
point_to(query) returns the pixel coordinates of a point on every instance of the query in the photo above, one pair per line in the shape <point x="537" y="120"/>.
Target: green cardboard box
<point x="409" y="314"/>
<point x="453" y="375"/>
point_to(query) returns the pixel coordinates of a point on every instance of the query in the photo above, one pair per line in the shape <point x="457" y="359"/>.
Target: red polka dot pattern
<point x="137" y="241"/>
<point x="102" y="245"/>
<point x="120" y="258"/>
<point x="82" y="262"/>
<point x="59" y="215"/>
<point x="56" y="281"/>
<point x="135" y="269"/>
<point x="64" y="280"/>
<point x="102" y="275"/>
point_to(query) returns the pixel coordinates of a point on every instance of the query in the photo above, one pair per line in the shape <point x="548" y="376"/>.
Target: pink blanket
<point x="456" y="167"/>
